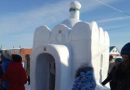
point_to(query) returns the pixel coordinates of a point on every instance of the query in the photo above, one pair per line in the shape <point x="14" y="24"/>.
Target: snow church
<point x="59" y="52"/>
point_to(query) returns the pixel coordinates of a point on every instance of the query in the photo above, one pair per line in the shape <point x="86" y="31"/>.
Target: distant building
<point x="25" y="53"/>
<point x="114" y="51"/>
<point x="14" y="51"/>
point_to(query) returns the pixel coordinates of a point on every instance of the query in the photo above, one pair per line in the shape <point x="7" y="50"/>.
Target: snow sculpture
<point x="59" y="52"/>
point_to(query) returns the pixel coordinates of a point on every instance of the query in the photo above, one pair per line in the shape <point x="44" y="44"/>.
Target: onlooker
<point x="5" y="61"/>
<point x="123" y="72"/>
<point x="16" y="74"/>
<point x="121" y="75"/>
<point x="111" y="75"/>
<point x="84" y="79"/>
<point x="1" y="73"/>
<point x="28" y="67"/>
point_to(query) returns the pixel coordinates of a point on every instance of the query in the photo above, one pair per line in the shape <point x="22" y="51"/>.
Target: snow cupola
<point x="74" y="11"/>
<point x="58" y="53"/>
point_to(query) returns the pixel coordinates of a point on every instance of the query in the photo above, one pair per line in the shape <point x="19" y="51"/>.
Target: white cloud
<point x="19" y="21"/>
<point x="108" y="20"/>
<point x="50" y="14"/>
<point x="88" y="5"/>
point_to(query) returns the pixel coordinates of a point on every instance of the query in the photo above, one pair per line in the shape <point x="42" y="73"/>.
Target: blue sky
<point x="20" y="18"/>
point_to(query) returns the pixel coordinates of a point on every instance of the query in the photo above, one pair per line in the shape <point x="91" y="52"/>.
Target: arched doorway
<point x="45" y="72"/>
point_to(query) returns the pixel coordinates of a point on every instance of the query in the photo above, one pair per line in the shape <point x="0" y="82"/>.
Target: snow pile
<point x="99" y="87"/>
<point x="27" y="87"/>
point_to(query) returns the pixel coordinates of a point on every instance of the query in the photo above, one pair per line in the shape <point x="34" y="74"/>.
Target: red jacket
<point x="16" y="76"/>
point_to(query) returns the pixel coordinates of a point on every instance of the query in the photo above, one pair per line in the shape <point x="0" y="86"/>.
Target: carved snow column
<point x="81" y="46"/>
<point x="104" y="53"/>
<point x="95" y="50"/>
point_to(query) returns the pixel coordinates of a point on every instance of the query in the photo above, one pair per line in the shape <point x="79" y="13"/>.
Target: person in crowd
<point x="15" y="74"/>
<point x="121" y="75"/>
<point x="111" y="76"/>
<point x="84" y="79"/>
<point x="122" y="78"/>
<point x="28" y="67"/>
<point x="5" y="61"/>
<point x="1" y="73"/>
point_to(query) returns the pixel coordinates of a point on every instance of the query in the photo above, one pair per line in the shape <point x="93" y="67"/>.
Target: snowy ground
<point x="98" y="88"/>
<point x="101" y="88"/>
<point x="27" y="87"/>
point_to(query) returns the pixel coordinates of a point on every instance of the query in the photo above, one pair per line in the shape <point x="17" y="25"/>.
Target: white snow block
<point x="51" y="68"/>
<point x="81" y="45"/>
<point x="41" y="36"/>
<point x="106" y="57"/>
<point x="60" y="34"/>
<point x="95" y="50"/>
<point x="101" y="47"/>
<point x="58" y="53"/>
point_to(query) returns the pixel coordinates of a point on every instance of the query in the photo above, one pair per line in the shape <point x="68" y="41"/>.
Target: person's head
<point x="84" y="79"/>
<point x="16" y="58"/>
<point x="83" y="69"/>
<point x="5" y="54"/>
<point x="125" y="51"/>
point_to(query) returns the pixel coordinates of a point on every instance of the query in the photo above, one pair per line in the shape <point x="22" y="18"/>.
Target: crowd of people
<point x="12" y="74"/>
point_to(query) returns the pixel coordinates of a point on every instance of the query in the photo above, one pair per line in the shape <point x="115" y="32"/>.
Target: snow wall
<point x="59" y="52"/>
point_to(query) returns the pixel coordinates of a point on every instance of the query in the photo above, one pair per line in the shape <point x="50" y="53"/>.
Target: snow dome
<point x="58" y="53"/>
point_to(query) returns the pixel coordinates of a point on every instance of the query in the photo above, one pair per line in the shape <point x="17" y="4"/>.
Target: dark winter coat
<point x="119" y="78"/>
<point x="16" y="76"/>
<point x="5" y="63"/>
<point x="1" y="71"/>
<point x="111" y="78"/>
<point x="122" y="78"/>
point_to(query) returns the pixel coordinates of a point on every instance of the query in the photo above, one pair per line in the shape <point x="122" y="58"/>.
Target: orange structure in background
<point x="25" y="51"/>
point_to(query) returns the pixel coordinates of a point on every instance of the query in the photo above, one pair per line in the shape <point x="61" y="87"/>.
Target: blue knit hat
<point x="85" y="80"/>
<point x="126" y="49"/>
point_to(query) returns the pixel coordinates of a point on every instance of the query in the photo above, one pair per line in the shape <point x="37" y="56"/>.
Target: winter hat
<point x="85" y="80"/>
<point x="126" y="49"/>
<point x="16" y="58"/>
